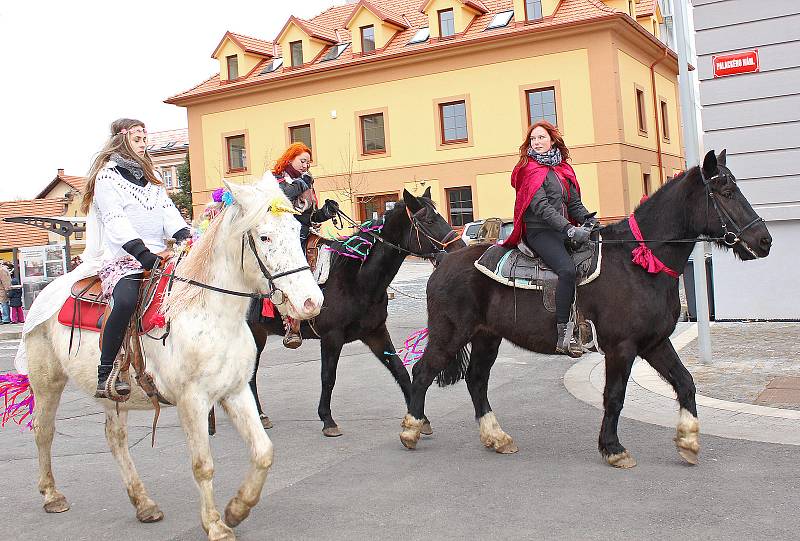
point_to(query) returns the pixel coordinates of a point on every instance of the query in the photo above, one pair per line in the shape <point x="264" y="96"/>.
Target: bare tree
<point x="350" y="185"/>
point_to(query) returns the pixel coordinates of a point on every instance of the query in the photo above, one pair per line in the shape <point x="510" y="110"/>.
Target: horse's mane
<point x="653" y="202"/>
<point x="227" y="223"/>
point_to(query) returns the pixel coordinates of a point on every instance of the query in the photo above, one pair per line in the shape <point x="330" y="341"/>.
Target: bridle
<point x="730" y="238"/>
<point x="416" y="227"/>
<point x="275" y="295"/>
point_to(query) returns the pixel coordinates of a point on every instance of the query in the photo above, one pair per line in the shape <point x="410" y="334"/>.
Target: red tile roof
<point x="477" y="5"/>
<point x="168" y="140"/>
<point x="568" y="12"/>
<point x="248" y="44"/>
<point x="312" y="28"/>
<point x="19" y="235"/>
<point x="77" y="183"/>
<point x="646" y="8"/>
<point x="381" y="12"/>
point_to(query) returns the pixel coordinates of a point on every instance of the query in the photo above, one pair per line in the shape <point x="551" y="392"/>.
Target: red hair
<point x="555" y="136"/>
<point x="294" y="150"/>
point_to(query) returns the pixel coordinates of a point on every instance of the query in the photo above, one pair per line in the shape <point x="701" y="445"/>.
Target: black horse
<point x="356" y="299"/>
<point x="634" y="311"/>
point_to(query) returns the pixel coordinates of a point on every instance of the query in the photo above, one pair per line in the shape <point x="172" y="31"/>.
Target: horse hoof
<point x="622" y="460"/>
<point x="58" y="505"/>
<point x="265" y="422"/>
<point x="218" y="531"/>
<point x="426" y="429"/>
<point x="507" y="448"/>
<point x="332" y="431"/>
<point x="688" y="455"/>
<point x="149" y="514"/>
<point x="408" y="440"/>
<point x="235" y="512"/>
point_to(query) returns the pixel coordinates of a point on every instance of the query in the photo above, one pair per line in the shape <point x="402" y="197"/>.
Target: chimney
<point x="61" y="172"/>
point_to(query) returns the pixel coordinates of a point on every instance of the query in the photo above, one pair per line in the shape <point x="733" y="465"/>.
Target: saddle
<point x="522" y="268"/>
<point x="86" y="309"/>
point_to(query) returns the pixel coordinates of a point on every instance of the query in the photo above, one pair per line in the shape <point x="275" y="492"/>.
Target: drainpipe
<point x="656" y="115"/>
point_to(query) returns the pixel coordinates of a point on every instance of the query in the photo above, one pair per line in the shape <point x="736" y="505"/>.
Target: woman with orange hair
<point x="291" y="172"/>
<point x="548" y="211"/>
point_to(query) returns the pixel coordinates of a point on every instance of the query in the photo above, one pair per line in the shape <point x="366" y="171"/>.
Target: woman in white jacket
<point x="134" y="215"/>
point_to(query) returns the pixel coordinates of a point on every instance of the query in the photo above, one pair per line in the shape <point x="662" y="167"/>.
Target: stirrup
<point x="566" y="344"/>
<point x="292" y="340"/>
<point x="114" y="388"/>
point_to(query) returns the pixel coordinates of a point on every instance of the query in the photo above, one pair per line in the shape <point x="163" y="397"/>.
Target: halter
<point x="417" y="227"/>
<point x="730" y="238"/>
<point x="276" y="295"/>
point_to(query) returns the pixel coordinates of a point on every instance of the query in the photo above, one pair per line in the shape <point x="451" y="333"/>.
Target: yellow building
<point x="438" y="93"/>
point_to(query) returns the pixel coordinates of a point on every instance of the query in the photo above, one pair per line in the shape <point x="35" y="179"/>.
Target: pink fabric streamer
<point x="414" y="347"/>
<point x="17" y="406"/>
<point x="644" y="256"/>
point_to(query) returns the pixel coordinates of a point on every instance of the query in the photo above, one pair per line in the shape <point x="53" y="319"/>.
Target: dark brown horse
<point x="355" y="306"/>
<point x="634" y="312"/>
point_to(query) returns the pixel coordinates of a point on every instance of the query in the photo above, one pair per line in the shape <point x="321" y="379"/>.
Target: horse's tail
<point x="456" y="370"/>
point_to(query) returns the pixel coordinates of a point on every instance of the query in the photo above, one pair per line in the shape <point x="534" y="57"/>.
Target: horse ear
<point x="237" y="191"/>
<point x="723" y="157"/>
<point x="710" y="167"/>
<point x="411" y="202"/>
<point x="427" y="192"/>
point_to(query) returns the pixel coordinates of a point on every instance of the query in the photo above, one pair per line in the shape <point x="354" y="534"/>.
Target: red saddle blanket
<point x="89" y="315"/>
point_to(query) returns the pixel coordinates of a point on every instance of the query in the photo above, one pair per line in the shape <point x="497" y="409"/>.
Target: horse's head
<point x="727" y="213"/>
<point x="273" y="258"/>
<point x="428" y="231"/>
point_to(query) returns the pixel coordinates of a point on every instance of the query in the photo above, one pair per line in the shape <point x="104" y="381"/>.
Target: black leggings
<point x="550" y="246"/>
<point x="123" y="304"/>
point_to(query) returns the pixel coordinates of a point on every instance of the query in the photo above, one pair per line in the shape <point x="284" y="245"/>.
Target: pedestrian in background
<point x="15" y="300"/>
<point x="5" y="286"/>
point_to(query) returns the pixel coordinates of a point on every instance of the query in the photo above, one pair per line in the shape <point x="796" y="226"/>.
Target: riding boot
<point x="564" y="343"/>
<point x="121" y="387"/>
<point x="292" y="340"/>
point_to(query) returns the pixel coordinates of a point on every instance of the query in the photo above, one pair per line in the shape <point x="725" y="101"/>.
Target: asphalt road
<point x="365" y="485"/>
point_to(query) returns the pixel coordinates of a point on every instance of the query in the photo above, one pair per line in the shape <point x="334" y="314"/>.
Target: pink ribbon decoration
<point x="644" y="256"/>
<point x="414" y="347"/>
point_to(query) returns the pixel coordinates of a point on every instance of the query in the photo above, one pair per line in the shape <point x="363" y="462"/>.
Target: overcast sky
<point x="73" y="67"/>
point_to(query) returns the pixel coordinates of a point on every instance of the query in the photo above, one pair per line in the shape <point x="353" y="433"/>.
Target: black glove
<point x="591" y="220"/>
<point x="143" y="255"/>
<point x="579" y="234"/>
<point x="182" y="234"/>
<point x="326" y="212"/>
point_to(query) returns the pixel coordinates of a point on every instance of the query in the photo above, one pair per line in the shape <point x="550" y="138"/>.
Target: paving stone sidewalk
<point x="752" y="362"/>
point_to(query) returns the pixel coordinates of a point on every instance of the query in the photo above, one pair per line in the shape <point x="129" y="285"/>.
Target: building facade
<point x="168" y="150"/>
<point x="416" y="94"/>
<point x="751" y="107"/>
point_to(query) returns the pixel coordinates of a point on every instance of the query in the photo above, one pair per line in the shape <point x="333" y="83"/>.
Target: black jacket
<point x="549" y="208"/>
<point x="15" y="294"/>
<point x="293" y="191"/>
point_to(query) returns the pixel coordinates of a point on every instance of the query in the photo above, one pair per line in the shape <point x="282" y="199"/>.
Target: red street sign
<point x="736" y="63"/>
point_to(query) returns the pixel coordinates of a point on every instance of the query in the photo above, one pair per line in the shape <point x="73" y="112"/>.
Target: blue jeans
<point x="6" y="312"/>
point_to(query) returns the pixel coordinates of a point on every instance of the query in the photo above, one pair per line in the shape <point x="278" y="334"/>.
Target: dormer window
<point x="296" y="50"/>
<point x="367" y="39"/>
<point x="447" y="23"/>
<point x="233" y="67"/>
<point x="533" y="10"/>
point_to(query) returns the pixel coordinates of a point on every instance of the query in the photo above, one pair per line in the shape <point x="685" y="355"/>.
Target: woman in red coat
<point x="548" y="211"/>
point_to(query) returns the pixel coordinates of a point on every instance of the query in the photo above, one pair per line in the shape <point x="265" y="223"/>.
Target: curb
<point x="10" y="336"/>
<point x="652" y="400"/>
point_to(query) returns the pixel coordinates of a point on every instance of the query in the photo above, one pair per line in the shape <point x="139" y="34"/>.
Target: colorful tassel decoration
<point x="17" y="406"/>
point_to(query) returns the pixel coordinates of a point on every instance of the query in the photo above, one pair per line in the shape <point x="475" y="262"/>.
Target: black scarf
<point x="551" y="158"/>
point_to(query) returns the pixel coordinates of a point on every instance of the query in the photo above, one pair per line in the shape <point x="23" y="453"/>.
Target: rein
<point x="280" y="297"/>
<point x="417" y="226"/>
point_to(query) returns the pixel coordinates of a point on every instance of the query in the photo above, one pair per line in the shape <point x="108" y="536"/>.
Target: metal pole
<point x="692" y="152"/>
